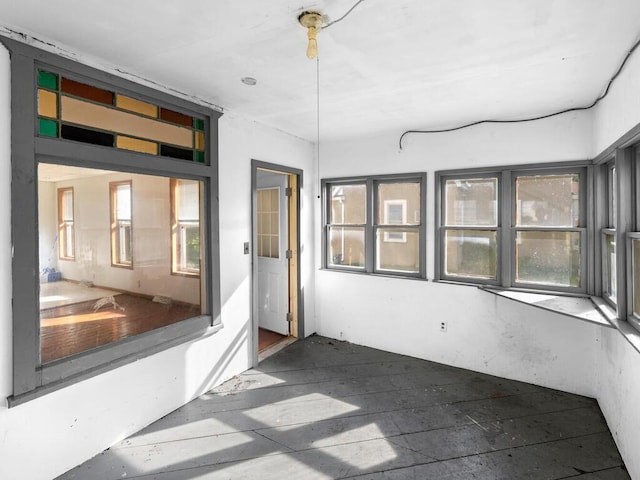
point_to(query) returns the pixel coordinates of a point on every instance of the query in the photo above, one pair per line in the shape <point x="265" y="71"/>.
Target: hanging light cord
<point x="574" y="109"/>
<point x="343" y="16"/>
<point x="318" y="122"/>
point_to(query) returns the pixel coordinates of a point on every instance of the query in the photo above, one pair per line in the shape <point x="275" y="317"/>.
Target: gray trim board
<point x="255" y="165"/>
<point x="30" y="379"/>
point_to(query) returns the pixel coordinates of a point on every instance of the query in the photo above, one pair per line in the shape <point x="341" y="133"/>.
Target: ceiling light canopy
<point x="312" y="21"/>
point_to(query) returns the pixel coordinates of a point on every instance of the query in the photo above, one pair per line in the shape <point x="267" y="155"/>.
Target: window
<point x="618" y="214"/>
<point x="470" y="228"/>
<point x="185" y="227"/>
<point x="93" y="142"/>
<point x="610" y="277"/>
<point x="121" y="236"/>
<point x="66" y="232"/>
<point x="548" y="236"/>
<point x="269" y="222"/>
<point x="375" y="224"/>
<point x="513" y="227"/>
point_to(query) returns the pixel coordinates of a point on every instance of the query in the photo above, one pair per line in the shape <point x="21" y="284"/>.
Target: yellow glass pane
<point x="275" y="248"/>
<point x="47" y="104"/>
<point x="136" y="145"/>
<point x="105" y="118"/>
<point x="133" y="105"/>
<point x="199" y="140"/>
<point x="274" y="223"/>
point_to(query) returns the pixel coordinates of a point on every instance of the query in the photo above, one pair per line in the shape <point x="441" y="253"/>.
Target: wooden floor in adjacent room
<point x="324" y="409"/>
<point x="267" y="338"/>
<point x="69" y="329"/>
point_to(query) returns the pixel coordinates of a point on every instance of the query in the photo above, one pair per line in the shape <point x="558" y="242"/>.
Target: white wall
<point x="618" y="389"/>
<point x="151" y="224"/>
<point x="47" y="436"/>
<point x="619" y="111"/>
<point x="485" y="333"/>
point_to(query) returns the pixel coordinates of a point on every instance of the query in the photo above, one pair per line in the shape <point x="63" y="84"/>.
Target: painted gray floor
<point x="324" y="409"/>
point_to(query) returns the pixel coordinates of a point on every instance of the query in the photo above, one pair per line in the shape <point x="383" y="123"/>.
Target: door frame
<point x="255" y="165"/>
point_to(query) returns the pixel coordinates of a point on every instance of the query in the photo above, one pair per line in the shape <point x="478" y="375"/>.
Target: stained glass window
<point x="73" y="110"/>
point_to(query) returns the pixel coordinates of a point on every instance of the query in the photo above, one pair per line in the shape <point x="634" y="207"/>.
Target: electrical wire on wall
<point x="540" y="117"/>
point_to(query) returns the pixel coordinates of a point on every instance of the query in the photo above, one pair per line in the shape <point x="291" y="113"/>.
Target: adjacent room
<point x="332" y="239"/>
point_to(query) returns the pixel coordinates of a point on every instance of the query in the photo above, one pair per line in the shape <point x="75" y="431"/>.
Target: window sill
<point x="626" y="329"/>
<point x="581" y="308"/>
<point x="374" y="274"/>
<point x="16" y="400"/>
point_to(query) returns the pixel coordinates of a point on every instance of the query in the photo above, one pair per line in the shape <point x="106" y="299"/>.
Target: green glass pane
<point x="198" y="124"/>
<point x="47" y="80"/>
<point x="47" y="128"/>
<point x="199" y="156"/>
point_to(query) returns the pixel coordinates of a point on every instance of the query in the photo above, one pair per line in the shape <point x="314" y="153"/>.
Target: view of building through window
<point x="376" y="225"/>
<point x="545" y="221"/>
<point x="89" y="300"/>
<point x="470" y="227"/>
<point x="546" y="252"/>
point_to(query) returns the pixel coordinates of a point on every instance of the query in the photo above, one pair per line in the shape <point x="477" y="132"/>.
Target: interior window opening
<point x="92" y="301"/>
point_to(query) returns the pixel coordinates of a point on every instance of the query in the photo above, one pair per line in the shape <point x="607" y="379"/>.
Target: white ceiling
<point x="389" y="65"/>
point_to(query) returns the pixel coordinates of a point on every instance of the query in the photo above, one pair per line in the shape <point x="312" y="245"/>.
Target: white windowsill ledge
<point x="581" y="308"/>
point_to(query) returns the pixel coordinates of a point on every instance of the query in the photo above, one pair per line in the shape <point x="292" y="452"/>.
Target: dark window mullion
<point x="369" y="234"/>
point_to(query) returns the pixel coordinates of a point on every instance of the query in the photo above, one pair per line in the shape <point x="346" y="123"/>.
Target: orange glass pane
<point x="86" y="91"/>
<point x="47" y="104"/>
<point x="133" y="105"/>
<point x="136" y="145"/>
<point x="176" y="117"/>
<point x="104" y="118"/>
<point x="199" y="140"/>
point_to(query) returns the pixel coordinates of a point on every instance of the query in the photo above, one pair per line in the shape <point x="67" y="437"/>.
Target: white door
<point x="272" y="242"/>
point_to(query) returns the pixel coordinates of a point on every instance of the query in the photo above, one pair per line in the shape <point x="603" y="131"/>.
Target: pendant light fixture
<point x="312" y="21"/>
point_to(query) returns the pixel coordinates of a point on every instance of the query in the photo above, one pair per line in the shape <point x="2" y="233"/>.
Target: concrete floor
<point x="321" y="408"/>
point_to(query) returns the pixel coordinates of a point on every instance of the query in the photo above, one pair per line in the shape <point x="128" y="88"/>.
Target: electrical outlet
<point x="443" y="326"/>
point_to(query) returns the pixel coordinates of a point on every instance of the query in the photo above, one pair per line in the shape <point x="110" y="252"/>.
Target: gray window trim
<point x="370" y="227"/>
<point x="440" y="179"/>
<point x="626" y="211"/>
<point x="30" y="379"/>
<point x="506" y="223"/>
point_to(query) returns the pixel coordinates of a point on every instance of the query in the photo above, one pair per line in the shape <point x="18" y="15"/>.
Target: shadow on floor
<point x="321" y="408"/>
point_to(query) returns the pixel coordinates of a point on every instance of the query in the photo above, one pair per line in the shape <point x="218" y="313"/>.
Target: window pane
<point x="397" y="250"/>
<point x="348" y="204"/>
<point x="399" y="203"/>
<point x="613" y="197"/>
<point x="471" y="202"/>
<point x="346" y="246"/>
<point x="610" y="267"/>
<point x="471" y="253"/>
<point x="636" y="276"/>
<point x="269" y="222"/>
<point x="123" y="202"/>
<point x="550" y="258"/>
<point x="89" y="302"/>
<point x="548" y="200"/>
<point x="185" y="229"/>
